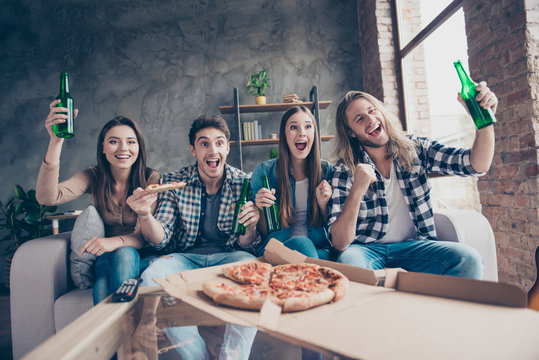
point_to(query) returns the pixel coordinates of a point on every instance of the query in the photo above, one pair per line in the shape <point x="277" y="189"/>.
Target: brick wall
<point x="378" y="51"/>
<point x="417" y="97"/>
<point x="378" y="54"/>
<point x="502" y="50"/>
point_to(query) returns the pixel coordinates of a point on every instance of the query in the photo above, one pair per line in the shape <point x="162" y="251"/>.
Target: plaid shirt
<point x="373" y="212"/>
<point x="179" y="210"/>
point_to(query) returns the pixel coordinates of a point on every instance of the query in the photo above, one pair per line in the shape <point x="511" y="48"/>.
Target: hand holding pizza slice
<point x="157" y="188"/>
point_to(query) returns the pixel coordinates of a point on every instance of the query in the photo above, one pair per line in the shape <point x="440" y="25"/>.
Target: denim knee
<point x="302" y="244"/>
<point x="126" y="257"/>
<point x="353" y="255"/>
<point x="125" y="264"/>
<point x="470" y="264"/>
<point x="126" y="253"/>
<point x="166" y="264"/>
<point x="154" y="270"/>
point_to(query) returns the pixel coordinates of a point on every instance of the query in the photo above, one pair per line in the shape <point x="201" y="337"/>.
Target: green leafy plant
<point x="274" y="153"/>
<point x="23" y="219"/>
<point x="258" y="83"/>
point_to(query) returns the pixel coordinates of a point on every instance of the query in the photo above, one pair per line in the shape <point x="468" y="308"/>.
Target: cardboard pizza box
<point x="387" y="314"/>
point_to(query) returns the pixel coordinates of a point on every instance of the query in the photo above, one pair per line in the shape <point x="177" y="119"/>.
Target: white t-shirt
<point x="400" y="225"/>
<point x="300" y="216"/>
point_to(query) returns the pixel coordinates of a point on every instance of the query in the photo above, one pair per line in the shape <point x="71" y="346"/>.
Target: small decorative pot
<point x="260" y="100"/>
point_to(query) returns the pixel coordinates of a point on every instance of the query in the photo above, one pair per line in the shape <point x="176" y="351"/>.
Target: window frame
<point x="401" y="52"/>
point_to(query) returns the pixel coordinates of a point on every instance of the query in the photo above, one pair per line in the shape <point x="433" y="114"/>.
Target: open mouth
<point x="301" y="145"/>
<point x="122" y="156"/>
<point x="212" y="163"/>
<point x="376" y="130"/>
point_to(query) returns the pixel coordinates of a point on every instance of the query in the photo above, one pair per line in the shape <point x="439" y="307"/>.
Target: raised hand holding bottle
<point x="67" y="128"/>
<point x="482" y="117"/>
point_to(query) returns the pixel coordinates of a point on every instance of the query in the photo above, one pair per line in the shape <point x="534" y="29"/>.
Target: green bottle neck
<point x="64" y="84"/>
<point x="265" y="182"/>
<point x="468" y="86"/>
<point x="244" y="191"/>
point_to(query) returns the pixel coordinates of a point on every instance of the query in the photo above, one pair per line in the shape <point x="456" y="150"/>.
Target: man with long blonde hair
<point x="380" y="211"/>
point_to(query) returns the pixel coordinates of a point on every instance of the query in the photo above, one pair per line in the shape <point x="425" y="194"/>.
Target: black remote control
<point x="126" y="291"/>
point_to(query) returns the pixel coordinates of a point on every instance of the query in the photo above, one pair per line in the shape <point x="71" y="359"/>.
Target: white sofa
<point x="43" y="299"/>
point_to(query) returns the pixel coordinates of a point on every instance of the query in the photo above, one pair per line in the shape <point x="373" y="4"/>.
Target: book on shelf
<point x="255" y="130"/>
<point x="251" y="130"/>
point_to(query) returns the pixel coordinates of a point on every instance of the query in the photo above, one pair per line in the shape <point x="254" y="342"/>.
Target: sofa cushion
<point x="87" y="225"/>
<point x="70" y="306"/>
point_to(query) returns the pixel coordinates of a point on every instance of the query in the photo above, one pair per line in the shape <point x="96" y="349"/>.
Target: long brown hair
<point x="103" y="190"/>
<point x="313" y="170"/>
<point x="399" y="147"/>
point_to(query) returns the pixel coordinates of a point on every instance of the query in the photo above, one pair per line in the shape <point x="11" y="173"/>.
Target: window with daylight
<point x="432" y="36"/>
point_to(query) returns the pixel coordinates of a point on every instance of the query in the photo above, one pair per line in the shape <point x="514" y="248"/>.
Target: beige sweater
<point x="50" y="192"/>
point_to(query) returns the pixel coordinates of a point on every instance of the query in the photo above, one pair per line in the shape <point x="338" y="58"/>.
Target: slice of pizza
<point x="316" y="283"/>
<point x="157" y="188"/>
<point x="338" y="283"/>
<point x="304" y="277"/>
<point x="297" y="300"/>
<point x="250" y="297"/>
<point x="258" y="273"/>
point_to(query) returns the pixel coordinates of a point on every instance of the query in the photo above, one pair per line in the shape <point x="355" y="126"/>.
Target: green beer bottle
<point x="238" y="228"/>
<point x="271" y="214"/>
<point x="65" y="129"/>
<point x="481" y="117"/>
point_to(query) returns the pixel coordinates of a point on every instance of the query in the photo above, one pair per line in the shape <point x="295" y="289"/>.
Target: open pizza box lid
<point x="386" y="312"/>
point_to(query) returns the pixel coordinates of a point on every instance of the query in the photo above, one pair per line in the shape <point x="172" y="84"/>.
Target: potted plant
<point x="22" y="219"/>
<point x="274" y="153"/>
<point x="256" y="86"/>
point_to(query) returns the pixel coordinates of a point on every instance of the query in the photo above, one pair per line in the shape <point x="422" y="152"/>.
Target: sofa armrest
<point x="472" y="228"/>
<point x="39" y="275"/>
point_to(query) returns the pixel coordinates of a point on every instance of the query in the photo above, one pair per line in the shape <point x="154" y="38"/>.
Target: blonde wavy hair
<point x="347" y="148"/>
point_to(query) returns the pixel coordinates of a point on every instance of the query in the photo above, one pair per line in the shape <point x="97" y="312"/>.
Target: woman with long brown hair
<point x="121" y="168"/>
<point x="298" y="182"/>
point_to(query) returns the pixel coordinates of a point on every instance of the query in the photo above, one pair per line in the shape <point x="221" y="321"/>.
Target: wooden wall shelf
<point x="229" y="109"/>
<point x="314" y="105"/>
<point x="270" y="141"/>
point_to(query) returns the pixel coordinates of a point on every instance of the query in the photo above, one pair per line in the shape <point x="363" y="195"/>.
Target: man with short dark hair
<point x="193" y="226"/>
<point x="380" y="210"/>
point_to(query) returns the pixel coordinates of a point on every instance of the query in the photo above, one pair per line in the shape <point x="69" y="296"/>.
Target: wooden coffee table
<point x="122" y="328"/>
<point x="129" y="330"/>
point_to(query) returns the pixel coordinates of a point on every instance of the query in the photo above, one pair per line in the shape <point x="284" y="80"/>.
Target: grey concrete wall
<point x="161" y="63"/>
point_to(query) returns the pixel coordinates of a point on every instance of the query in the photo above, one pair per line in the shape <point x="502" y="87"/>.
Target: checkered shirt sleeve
<point x="178" y="211"/>
<point x="437" y="157"/>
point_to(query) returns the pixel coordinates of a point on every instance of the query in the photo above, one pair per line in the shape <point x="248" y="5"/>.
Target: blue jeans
<point x="306" y="246"/>
<point x="428" y="256"/>
<point x="112" y="268"/>
<point x="237" y="339"/>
